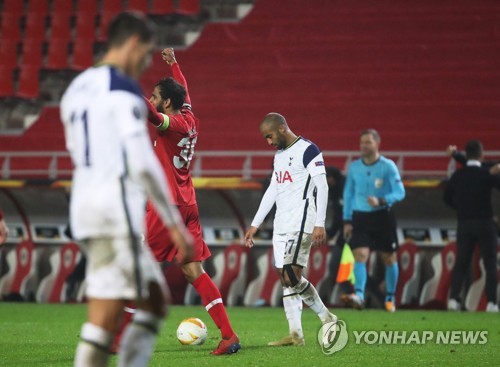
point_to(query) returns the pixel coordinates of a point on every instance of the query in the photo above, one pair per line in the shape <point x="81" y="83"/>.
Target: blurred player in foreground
<point x="176" y="132"/>
<point x="4" y="231"/>
<point x="104" y="117"/>
<point x="300" y="191"/>
<point x="372" y="187"/>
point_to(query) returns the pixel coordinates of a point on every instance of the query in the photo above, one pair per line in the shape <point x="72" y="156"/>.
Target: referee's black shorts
<point x="376" y="230"/>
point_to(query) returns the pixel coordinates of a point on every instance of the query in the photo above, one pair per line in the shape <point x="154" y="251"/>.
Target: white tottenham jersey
<point x="294" y="168"/>
<point x="100" y="110"/>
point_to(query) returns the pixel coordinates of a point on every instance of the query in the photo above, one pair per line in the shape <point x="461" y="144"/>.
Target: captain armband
<point x="165" y="124"/>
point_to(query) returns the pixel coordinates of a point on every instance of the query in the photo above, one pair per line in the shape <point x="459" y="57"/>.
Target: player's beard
<point x="281" y="143"/>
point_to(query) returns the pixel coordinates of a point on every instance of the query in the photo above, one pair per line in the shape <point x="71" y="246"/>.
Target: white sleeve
<point x="321" y="199"/>
<point x="266" y="204"/>
<point x="314" y="164"/>
<point x="142" y="164"/>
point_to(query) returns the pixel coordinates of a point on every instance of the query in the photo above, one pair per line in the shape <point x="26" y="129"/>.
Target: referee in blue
<point x="373" y="185"/>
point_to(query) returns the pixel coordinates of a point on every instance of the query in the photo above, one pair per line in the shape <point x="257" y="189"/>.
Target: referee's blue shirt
<point x="380" y="179"/>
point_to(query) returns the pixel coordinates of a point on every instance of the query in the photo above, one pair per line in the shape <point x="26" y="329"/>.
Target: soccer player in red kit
<point x="175" y="135"/>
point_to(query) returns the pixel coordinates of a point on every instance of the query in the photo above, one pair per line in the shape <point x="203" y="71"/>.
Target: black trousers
<point x="470" y="232"/>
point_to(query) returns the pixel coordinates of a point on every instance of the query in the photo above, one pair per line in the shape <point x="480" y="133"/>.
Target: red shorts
<point x="159" y="241"/>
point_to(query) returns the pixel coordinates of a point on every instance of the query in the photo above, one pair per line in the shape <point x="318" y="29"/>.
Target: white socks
<point x="93" y="348"/>
<point x="311" y="298"/>
<point x="138" y="340"/>
<point x="293" y="311"/>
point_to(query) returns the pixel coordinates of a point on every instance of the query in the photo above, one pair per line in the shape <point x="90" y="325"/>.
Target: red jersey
<point x="174" y="146"/>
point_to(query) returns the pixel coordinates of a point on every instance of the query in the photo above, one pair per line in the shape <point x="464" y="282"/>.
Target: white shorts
<point x="118" y="269"/>
<point x="291" y="249"/>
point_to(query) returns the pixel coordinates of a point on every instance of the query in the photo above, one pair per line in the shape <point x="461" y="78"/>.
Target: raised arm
<point x="154" y="117"/>
<point x="169" y="57"/>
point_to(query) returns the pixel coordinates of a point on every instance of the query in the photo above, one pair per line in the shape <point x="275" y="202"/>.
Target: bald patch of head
<point x="274" y="120"/>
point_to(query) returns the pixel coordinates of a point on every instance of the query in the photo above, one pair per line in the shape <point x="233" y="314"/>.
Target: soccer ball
<point x="192" y="331"/>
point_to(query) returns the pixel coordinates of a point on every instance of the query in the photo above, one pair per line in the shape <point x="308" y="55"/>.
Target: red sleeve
<point x="154" y="116"/>
<point x="177" y="73"/>
<point x="1" y="214"/>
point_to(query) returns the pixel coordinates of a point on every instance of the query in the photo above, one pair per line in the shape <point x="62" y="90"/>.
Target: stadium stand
<point x="407" y="289"/>
<point x="266" y="288"/>
<point x="14" y="7"/>
<point x="434" y="293"/>
<point x="392" y="67"/>
<point x="22" y="262"/>
<point x="231" y="273"/>
<point x="318" y="270"/>
<point x="423" y="74"/>
<point x="475" y="298"/>
<point x="159" y="7"/>
<point x="6" y="83"/>
<point x="40" y="7"/>
<point x="62" y="262"/>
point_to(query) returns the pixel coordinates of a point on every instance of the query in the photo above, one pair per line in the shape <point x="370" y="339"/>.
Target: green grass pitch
<point x="46" y="335"/>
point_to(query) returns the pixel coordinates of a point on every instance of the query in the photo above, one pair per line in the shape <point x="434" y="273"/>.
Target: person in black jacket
<point x="469" y="193"/>
<point x="461" y="158"/>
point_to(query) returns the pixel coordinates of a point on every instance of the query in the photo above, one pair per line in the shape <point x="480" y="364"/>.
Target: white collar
<point x="473" y="163"/>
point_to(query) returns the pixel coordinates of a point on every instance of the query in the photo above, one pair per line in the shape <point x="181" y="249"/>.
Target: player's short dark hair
<point x="170" y="88"/>
<point x="474" y="149"/>
<point x="371" y="132"/>
<point x="128" y="24"/>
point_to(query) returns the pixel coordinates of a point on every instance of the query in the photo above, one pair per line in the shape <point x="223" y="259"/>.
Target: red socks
<point x="127" y="316"/>
<point x="212" y="300"/>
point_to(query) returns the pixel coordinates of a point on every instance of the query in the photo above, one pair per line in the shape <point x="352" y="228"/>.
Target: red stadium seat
<point x="138" y="5"/>
<point x="105" y="18"/>
<point x="22" y="263"/>
<point x="266" y="288"/>
<point x="8" y="53"/>
<point x="11" y="27"/>
<point x="32" y="52"/>
<point x="475" y="299"/>
<point x="83" y="54"/>
<point x="162" y="7"/>
<point x="86" y="26"/>
<point x="6" y="82"/>
<point x="29" y="82"/>
<point x="63" y="6"/>
<point x="15" y="7"/>
<point x="114" y="6"/>
<point x="87" y="6"/>
<point x="434" y="293"/>
<point x="62" y="263"/>
<point x="409" y="275"/>
<point x="35" y="26"/>
<point x="188" y="7"/>
<point x="57" y="57"/>
<point x="39" y="7"/>
<point x="232" y="270"/>
<point x="60" y="26"/>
